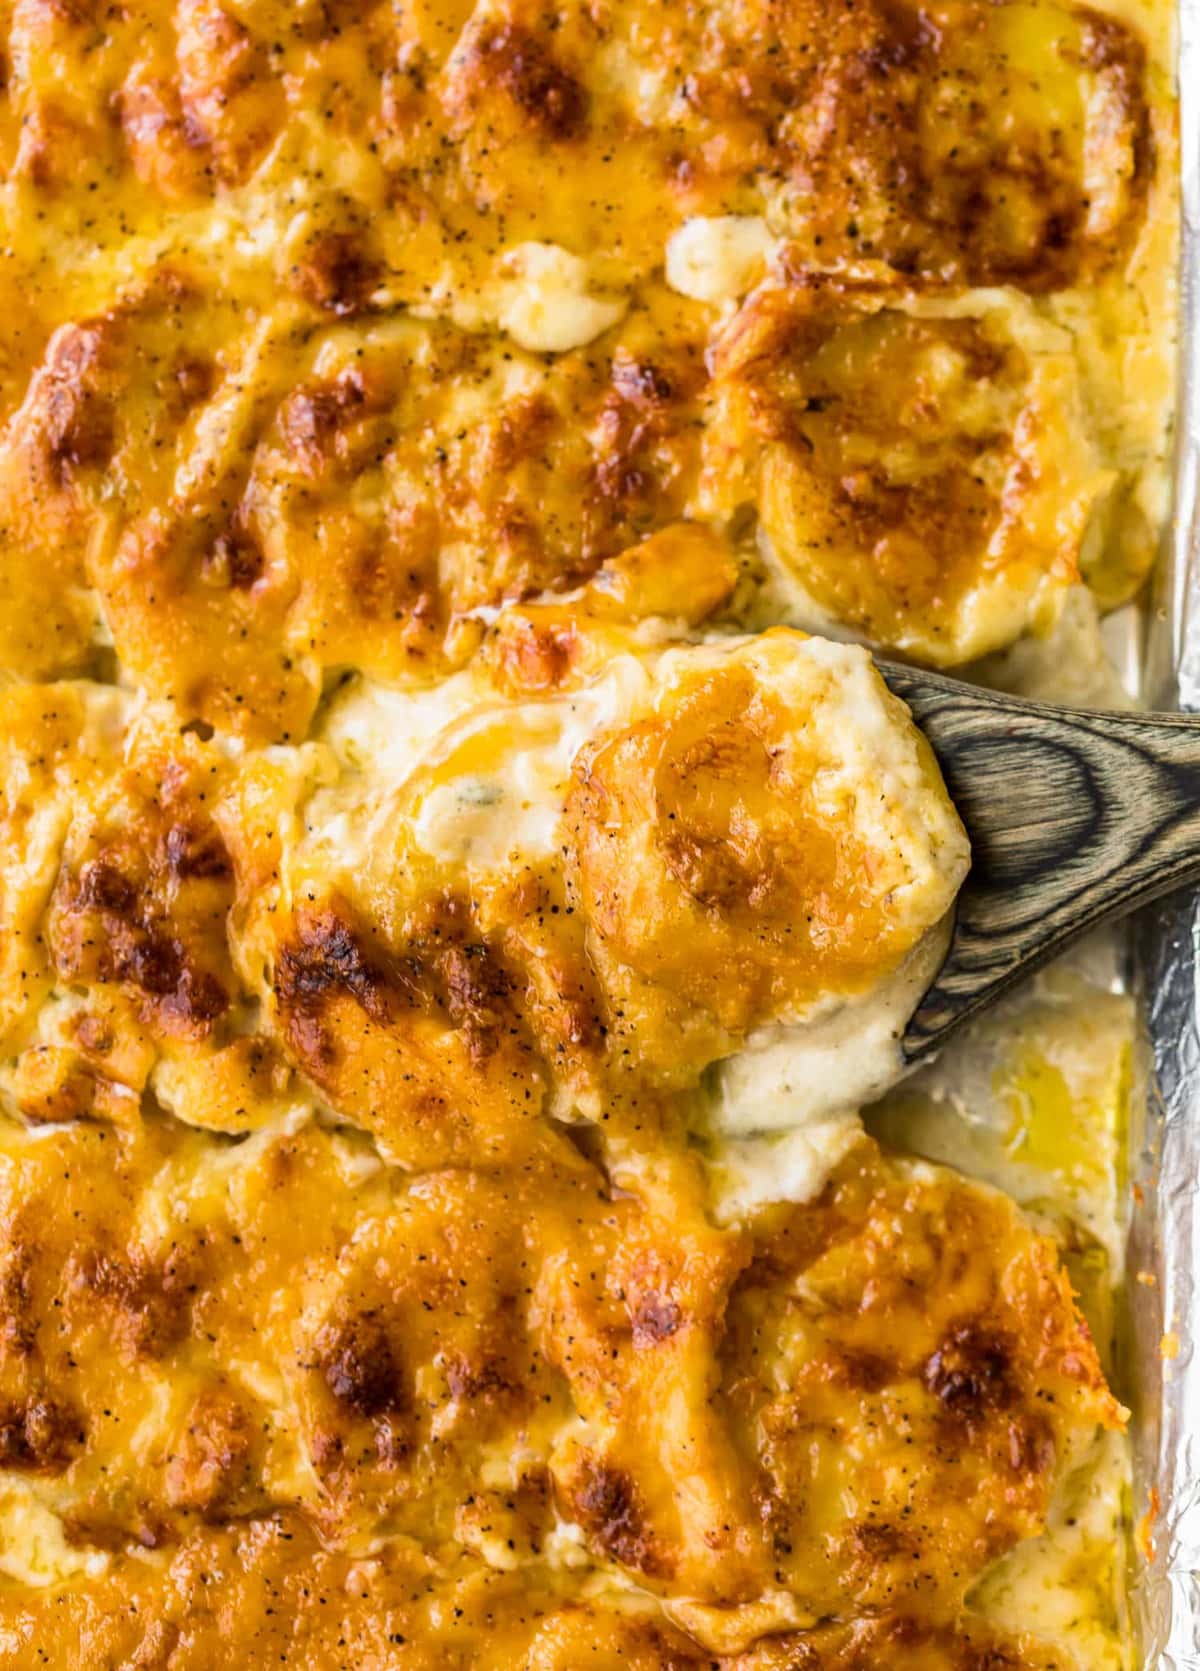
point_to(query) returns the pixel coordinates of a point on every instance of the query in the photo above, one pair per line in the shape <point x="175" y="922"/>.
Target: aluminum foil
<point x="1163" y="1363"/>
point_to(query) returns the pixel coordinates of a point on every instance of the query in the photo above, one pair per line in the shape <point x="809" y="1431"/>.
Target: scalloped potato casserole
<point x="463" y="878"/>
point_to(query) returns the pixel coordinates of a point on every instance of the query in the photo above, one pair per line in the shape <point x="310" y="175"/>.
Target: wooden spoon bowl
<point x="1075" y="817"/>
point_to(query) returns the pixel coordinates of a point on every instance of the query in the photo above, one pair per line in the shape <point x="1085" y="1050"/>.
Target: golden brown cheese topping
<point x="116" y="887"/>
<point x="270" y="1584"/>
<point x="194" y="1335"/>
<point x="472" y="1357"/>
<point x="923" y="476"/>
<point x="953" y="142"/>
<point x="307" y="498"/>
<point x="451" y="912"/>
<point x="363" y="323"/>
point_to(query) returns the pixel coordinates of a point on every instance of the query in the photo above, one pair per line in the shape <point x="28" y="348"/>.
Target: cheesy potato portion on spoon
<point x="589" y="869"/>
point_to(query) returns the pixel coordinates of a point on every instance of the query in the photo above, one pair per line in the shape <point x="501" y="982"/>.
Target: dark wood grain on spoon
<point x="1074" y="818"/>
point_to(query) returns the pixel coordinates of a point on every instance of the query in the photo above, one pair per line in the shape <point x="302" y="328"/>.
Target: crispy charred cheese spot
<point x="49" y="738"/>
<point x="422" y="1042"/>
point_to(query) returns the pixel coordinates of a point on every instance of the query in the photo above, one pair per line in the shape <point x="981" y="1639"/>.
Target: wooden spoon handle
<point x="1074" y="817"/>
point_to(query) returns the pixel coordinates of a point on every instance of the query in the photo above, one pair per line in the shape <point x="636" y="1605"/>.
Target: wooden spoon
<point x="1074" y="818"/>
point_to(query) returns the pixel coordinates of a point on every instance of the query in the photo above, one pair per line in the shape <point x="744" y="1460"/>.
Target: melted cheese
<point x="718" y="259"/>
<point x="1067" y="1586"/>
<point x="483" y="782"/>
<point x="545" y="303"/>
<point x="896" y="483"/>
<point x="35" y="1550"/>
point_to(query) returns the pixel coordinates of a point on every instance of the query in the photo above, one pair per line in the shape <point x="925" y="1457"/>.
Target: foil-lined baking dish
<point x="1162" y="1368"/>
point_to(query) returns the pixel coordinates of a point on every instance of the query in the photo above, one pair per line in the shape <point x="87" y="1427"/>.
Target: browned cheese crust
<point x="273" y="389"/>
<point x="466" y="1360"/>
